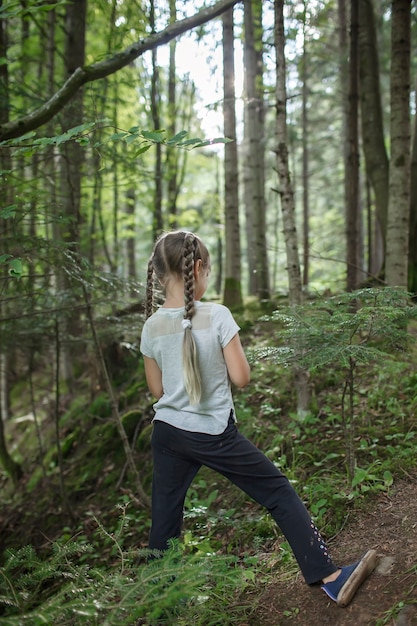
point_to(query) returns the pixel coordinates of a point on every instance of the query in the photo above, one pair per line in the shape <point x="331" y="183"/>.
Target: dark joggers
<point x="179" y="454"/>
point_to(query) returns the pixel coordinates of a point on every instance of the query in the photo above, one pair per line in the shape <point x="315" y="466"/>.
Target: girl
<point x="192" y="354"/>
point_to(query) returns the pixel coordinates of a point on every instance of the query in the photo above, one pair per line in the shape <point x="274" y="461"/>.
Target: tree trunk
<point x="8" y="464"/>
<point x="71" y="159"/>
<point x="396" y="273"/>
<point x="287" y="198"/>
<point x="305" y="142"/>
<point x="7" y="199"/>
<point x="51" y="151"/>
<point x="157" y="223"/>
<point x="131" y="239"/>
<point x="376" y="159"/>
<point x="254" y="175"/>
<point x="232" y="295"/>
<point x="172" y="153"/>
<point x="352" y="172"/>
<point x="72" y="153"/>
<point x="412" y="239"/>
<point x="285" y="184"/>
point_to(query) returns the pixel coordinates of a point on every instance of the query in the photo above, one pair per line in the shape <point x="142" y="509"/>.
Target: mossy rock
<point x="133" y="392"/>
<point x="76" y="409"/>
<point x="130" y="420"/>
<point x="144" y="439"/>
<point x="68" y="442"/>
<point x="100" y="406"/>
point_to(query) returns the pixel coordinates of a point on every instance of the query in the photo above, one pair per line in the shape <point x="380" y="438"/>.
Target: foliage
<point x="344" y="333"/>
<point x="228" y="542"/>
<point x="399" y="609"/>
<point x="69" y="589"/>
<point x="363" y="325"/>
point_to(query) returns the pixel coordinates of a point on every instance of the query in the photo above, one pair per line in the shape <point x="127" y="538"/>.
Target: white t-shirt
<point x="213" y="326"/>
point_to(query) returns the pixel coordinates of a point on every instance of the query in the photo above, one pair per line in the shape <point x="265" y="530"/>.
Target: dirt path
<point x="391" y="528"/>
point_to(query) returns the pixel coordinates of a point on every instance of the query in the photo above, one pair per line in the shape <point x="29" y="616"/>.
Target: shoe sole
<point x="364" y="569"/>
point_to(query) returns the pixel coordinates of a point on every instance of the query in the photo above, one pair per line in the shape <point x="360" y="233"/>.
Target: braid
<point x="174" y="257"/>
<point x="188" y="273"/>
<point x="191" y="367"/>
<point x="149" y="289"/>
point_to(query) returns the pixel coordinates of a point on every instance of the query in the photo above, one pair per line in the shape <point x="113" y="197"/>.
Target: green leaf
<point x="156" y="136"/>
<point x="83" y="141"/>
<point x="191" y="142"/>
<point x="8" y="211"/>
<point x="211" y="142"/>
<point x="10" y="9"/>
<point x="177" y="138"/>
<point x="141" y="150"/>
<point x="388" y="478"/>
<point x="5" y="257"/>
<point x="117" y="136"/>
<point x="24" y="137"/>
<point x="359" y="477"/>
<point x="131" y="138"/>
<point x="16" y="268"/>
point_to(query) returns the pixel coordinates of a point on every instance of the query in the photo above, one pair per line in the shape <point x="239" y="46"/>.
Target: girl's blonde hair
<point x="174" y="255"/>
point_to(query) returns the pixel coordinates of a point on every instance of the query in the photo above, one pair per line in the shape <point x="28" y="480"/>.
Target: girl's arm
<point x="236" y="362"/>
<point x="153" y="377"/>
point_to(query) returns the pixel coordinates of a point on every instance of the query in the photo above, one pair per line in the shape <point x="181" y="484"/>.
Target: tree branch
<point x="88" y="74"/>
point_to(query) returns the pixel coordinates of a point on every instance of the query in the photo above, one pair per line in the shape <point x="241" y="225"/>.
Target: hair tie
<point x="186" y="323"/>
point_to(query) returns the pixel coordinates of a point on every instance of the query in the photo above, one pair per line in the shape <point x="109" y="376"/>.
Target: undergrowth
<point x="69" y="589"/>
<point x="91" y="573"/>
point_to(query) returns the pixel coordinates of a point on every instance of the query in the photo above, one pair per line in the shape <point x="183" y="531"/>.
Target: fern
<point x="62" y="590"/>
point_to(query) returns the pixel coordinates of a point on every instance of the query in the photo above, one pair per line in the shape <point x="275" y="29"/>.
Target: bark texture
<point x="396" y="272"/>
<point x="301" y="377"/>
<point x="253" y="166"/>
<point x="412" y="239"/>
<point x="285" y="185"/>
<point x="376" y="158"/>
<point x="232" y="296"/>
<point x="352" y="171"/>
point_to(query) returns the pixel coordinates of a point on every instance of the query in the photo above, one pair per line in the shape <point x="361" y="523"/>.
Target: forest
<point x="283" y="133"/>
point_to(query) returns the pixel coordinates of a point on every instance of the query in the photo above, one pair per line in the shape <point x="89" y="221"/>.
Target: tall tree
<point x="399" y="177"/>
<point x="71" y="159"/>
<point x="352" y="172"/>
<point x="172" y="153"/>
<point x="157" y="223"/>
<point x="254" y="153"/>
<point x="376" y="158"/>
<point x="305" y="141"/>
<point x="412" y="239"/>
<point x="287" y="196"/>
<point x="232" y="295"/>
<point x="7" y="199"/>
<point x="286" y="190"/>
<point x="7" y="462"/>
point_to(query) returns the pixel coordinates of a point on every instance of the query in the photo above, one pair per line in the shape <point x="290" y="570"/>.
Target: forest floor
<point x="386" y="522"/>
<point x="389" y="596"/>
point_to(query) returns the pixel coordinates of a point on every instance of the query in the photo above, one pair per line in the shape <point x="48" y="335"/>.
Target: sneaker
<point x="350" y="579"/>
